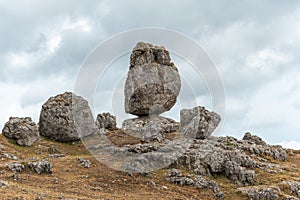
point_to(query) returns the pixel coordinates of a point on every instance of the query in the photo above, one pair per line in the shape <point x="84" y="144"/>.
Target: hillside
<point x="71" y="180"/>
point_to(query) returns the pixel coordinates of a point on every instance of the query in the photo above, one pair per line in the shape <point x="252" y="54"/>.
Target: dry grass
<point x="71" y="181"/>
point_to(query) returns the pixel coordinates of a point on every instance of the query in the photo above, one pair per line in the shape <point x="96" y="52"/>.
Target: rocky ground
<point x="227" y="168"/>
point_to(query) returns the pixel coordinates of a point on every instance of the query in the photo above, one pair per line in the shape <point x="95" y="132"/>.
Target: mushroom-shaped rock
<point x="23" y="130"/>
<point x="198" y="122"/>
<point x="153" y="82"/>
<point x="66" y="117"/>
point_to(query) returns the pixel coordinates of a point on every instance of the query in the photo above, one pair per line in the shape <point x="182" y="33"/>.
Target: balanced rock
<point x="198" y="122"/>
<point x="66" y="117"/>
<point x="150" y="128"/>
<point x="153" y="82"/>
<point x="23" y="130"/>
<point x="107" y="121"/>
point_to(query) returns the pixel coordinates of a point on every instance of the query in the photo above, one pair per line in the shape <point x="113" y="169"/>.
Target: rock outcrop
<point x="151" y="128"/>
<point x="152" y="83"/>
<point x="198" y="122"/>
<point x="107" y="121"/>
<point x="254" y="139"/>
<point x="66" y="117"/>
<point x="23" y="130"/>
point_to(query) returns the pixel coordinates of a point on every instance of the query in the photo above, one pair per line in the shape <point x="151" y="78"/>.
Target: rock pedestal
<point x="149" y="128"/>
<point x="66" y="117"/>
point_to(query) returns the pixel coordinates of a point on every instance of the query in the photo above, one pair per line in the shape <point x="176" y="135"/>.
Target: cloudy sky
<point x="254" y="44"/>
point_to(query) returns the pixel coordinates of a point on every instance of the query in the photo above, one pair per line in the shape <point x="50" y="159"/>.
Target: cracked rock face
<point x="66" y="117"/>
<point x="23" y="130"/>
<point x="153" y="82"/>
<point x="198" y="122"/>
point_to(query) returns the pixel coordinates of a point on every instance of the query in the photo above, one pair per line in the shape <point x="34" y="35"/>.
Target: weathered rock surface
<point x="3" y="184"/>
<point x="152" y="83"/>
<point x="23" y="130"/>
<point x="266" y="193"/>
<point x="294" y="187"/>
<point x="150" y="128"/>
<point x="41" y="167"/>
<point x="175" y="176"/>
<point x="15" y="167"/>
<point x="198" y="122"/>
<point x="84" y="162"/>
<point x="66" y="117"/>
<point x="107" y="121"/>
<point x="253" y="138"/>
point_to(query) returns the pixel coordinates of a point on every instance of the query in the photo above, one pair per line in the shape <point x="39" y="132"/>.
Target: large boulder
<point x="198" y="122"/>
<point x="107" y="121"/>
<point x="23" y="130"/>
<point x="66" y="117"/>
<point x="152" y="83"/>
<point x="150" y="128"/>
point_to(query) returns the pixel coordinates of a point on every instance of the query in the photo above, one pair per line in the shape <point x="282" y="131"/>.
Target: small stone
<point x="3" y="184"/>
<point x="41" y="167"/>
<point x="15" y="167"/>
<point x="85" y="163"/>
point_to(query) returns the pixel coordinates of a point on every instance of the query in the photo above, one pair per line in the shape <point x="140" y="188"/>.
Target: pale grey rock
<point x="41" y="167"/>
<point x="150" y="128"/>
<point x="176" y="176"/>
<point x="263" y="194"/>
<point x="84" y="162"/>
<point x="107" y="121"/>
<point x="294" y="187"/>
<point x="146" y="53"/>
<point x="10" y="156"/>
<point x="66" y="117"/>
<point x="153" y="82"/>
<point x="254" y="139"/>
<point x="3" y="184"/>
<point x="198" y="122"/>
<point x="23" y="130"/>
<point x="15" y="167"/>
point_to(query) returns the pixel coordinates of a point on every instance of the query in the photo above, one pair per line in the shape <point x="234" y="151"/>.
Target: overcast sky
<point x="254" y="44"/>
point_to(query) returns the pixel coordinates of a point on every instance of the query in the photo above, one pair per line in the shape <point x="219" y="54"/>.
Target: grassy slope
<point x="71" y="181"/>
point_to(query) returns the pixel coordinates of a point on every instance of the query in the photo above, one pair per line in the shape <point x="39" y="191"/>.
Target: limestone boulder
<point x="23" y="130"/>
<point x="66" y="117"/>
<point x="153" y="82"/>
<point x="198" y="122"/>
